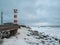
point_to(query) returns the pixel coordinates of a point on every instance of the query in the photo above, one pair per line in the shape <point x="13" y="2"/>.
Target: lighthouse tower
<point x="15" y="16"/>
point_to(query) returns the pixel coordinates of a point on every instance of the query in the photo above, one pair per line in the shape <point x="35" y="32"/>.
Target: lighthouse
<point x="15" y="16"/>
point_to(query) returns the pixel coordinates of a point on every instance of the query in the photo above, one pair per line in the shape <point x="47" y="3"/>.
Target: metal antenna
<point x="1" y="17"/>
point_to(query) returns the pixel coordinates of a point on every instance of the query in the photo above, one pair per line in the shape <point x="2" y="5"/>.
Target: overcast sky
<point x="32" y="12"/>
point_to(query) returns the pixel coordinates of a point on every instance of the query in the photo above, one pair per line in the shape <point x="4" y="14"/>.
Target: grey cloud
<point x="34" y="11"/>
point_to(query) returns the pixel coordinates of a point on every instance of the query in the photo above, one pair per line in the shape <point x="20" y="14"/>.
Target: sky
<point x="32" y="12"/>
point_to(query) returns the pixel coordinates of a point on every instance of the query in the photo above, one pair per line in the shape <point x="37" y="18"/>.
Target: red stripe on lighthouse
<point x="15" y="21"/>
<point x="15" y="16"/>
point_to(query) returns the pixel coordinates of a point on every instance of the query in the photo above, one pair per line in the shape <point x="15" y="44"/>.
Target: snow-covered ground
<point x="43" y="36"/>
<point x="16" y="40"/>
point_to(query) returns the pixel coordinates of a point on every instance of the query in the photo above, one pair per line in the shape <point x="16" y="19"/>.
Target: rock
<point x="22" y="26"/>
<point x="59" y="41"/>
<point x="28" y="27"/>
<point x="35" y="33"/>
<point x="56" y="39"/>
<point x="28" y="35"/>
<point x="43" y="42"/>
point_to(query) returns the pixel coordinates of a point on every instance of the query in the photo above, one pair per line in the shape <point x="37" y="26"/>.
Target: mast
<point x="1" y="17"/>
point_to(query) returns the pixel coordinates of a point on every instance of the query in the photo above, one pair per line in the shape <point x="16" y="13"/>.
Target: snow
<point x="14" y="41"/>
<point x="48" y="30"/>
<point x="21" y="37"/>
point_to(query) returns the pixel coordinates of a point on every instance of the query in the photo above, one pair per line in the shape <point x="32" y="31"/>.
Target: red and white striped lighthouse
<point x="15" y="16"/>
